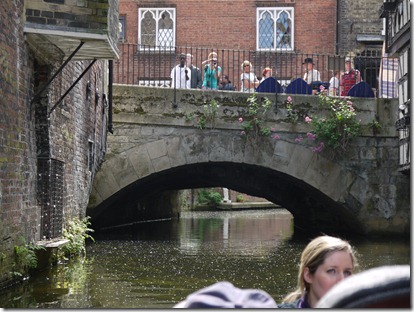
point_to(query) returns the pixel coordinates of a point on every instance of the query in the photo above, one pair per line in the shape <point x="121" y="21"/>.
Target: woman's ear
<point x="307" y="276"/>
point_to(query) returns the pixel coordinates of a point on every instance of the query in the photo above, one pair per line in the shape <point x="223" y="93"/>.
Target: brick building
<point x="332" y="26"/>
<point x="54" y="100"/>
<point x="265" y="32"/>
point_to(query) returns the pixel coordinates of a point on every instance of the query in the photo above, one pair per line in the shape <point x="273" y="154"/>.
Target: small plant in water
<point x="25" y="258"/>
<point x="76" y="232"/>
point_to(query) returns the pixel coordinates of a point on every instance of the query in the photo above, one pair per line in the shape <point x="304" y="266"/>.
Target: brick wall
<point x="89" y="14"/>
<point x="74" y="136"/>
<point x="232" y="24"/>
<point x="358" y="17"/>
<point x="18" y="211"/>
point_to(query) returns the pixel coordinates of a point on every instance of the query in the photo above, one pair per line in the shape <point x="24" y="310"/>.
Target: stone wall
<point x="157" y="145"/>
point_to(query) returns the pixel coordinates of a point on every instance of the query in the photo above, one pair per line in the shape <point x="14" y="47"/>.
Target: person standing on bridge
<point x="349" y="78"/>
<point x="212" y="72"/>
<point x="196" y="80"/>
<point x="249" y="81"/>
<point x="324" y="262"/>
<point x="181" y="75"/>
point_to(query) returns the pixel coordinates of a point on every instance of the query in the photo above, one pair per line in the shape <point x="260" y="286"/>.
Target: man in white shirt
<point x="181" y="75"/>
<point x="311" y="74"/>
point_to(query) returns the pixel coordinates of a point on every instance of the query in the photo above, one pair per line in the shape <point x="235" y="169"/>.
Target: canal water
<point x="157" y="264"/>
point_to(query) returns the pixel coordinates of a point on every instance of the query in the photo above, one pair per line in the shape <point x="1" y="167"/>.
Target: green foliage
<point x="292" y="114"/>
<point x="340" y="125"/>
<point x="209" y="115"/>
<point x="202" y="122"/>
<point x="252" y="123"/>
<point x="209" y="197"/>
<point x="188" y="117"/>
<point x="375" y="126"/>
<point x="240" y="198"/>
<point x="25" y="258"/>
<point x="76" y="232"/>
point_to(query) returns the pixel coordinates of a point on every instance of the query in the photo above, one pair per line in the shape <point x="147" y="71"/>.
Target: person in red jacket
<point x="349" y="78"/>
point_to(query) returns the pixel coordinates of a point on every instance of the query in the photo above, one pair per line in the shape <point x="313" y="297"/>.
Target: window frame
<point x="157" y="13"/>
<point x="275" y="11"/>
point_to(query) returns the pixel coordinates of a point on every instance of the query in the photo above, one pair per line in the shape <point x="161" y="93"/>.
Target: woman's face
<point x="337" y="266"/>
<point x="246" y="68"/>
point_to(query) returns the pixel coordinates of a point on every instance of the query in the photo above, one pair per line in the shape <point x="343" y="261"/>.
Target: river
<point x="156" y="264"/>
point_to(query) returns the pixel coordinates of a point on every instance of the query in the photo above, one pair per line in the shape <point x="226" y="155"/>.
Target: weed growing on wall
<point x="253" y="121"/>
<point x="209" y="115"/>
<point x="332" y="129"/>
<point x="338" y="127"/>
<point x="76" y="231"/>
<point x="25" y="258"/>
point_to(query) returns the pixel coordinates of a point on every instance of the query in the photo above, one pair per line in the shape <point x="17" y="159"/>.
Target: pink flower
<point x="321" y="88"/>
<point x="351" y="109"/>
<point x="318" y="148"/>
<point x="308" y="119"/>
<point x="276" y="136"/>
<point x="298" y="139"/>
<point x="243" y="133"/>
<point x="349" y="103"/>
<point x="273" y="129"/>
<point x="240" y="119"/>
<point x="311" y="136"/>
<point x="289" y="99"/>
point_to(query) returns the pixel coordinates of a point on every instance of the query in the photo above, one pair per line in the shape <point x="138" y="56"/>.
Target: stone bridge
<point x="158" y="147"/>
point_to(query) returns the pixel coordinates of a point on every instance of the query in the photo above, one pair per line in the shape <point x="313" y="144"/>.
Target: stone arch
<point x="307" y="184"/>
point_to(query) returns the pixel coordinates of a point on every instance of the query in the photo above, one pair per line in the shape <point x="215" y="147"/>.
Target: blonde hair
<point x="313" y="256"/>
<point x="266" y="70"/>
<point x="211" y="56"/>
<point x="246" y="63"/>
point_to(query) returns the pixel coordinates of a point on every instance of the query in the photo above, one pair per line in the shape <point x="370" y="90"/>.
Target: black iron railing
<point x="151" y="66"/>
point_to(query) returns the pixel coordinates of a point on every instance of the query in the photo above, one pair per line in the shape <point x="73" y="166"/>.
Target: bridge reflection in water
<point x="157" y="264"/>
<point x="248" y="232"/>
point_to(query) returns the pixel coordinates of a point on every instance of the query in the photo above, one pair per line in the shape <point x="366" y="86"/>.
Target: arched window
<point x="275" y="28"/>
<point x="284" y="31"/>
<point x="157" y="27"/>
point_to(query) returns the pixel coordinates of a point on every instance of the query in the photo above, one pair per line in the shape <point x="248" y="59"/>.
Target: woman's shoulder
<point x="288" y="305"/>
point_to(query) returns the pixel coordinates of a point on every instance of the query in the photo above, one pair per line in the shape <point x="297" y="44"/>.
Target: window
<point x="275" y="28"/>
<point x="122" y="28"/>
<point x="156" y="27"/>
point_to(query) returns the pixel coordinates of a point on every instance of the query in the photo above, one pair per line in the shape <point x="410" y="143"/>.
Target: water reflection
<point x="155" y="265"/>
<point x="248" y="232"/>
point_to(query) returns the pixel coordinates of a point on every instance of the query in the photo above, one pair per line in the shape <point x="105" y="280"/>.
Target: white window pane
<point x="156" y="27"/>
<point x="275" y="28"/>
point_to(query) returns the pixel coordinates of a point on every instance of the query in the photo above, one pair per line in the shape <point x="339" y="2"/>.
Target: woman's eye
<point x="331" y="271"/>
<point x="347" y="273"/>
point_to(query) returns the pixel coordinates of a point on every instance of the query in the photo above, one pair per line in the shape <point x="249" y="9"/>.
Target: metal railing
<point x="145" y="65"/>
